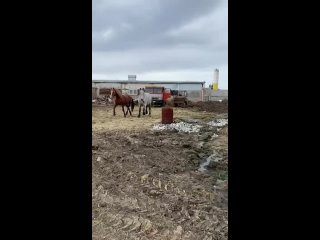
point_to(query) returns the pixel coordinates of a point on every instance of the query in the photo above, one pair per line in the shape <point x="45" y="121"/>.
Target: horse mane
<point x="118" y="92"/>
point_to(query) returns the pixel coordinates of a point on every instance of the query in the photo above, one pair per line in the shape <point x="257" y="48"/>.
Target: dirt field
<point x="150" y="183"/>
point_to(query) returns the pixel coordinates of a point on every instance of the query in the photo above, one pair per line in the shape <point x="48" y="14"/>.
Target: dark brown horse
<point x="122" y="100"/>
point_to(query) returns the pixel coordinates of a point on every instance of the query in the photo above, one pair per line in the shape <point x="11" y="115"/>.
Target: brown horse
<point x="123" y="100"/>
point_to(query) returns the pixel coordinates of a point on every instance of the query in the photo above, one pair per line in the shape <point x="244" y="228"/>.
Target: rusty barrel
<point x="167" y="115"/>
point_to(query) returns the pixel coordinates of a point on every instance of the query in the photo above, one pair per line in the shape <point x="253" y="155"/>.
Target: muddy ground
<point x="214" y="106"/>
<point x="147" y="183"/>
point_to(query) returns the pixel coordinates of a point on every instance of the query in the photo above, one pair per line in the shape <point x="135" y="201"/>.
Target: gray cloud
<point x="160" y="36"/>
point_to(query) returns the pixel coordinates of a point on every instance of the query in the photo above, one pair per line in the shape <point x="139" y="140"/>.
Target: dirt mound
<point x="212" y="106"/>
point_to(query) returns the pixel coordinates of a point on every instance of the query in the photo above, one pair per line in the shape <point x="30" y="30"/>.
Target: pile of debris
<point x="101" y="100"/>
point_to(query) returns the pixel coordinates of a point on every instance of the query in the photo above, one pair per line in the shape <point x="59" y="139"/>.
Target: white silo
<point x="215" y="79"/>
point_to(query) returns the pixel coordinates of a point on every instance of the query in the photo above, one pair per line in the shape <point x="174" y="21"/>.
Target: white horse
<point x="144" y="99"/>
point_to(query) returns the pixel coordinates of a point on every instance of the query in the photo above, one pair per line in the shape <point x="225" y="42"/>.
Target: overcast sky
<point x="160" y="40"/>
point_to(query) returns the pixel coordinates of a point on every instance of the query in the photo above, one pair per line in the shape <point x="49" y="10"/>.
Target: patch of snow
<point x="181" y="127"/>
<point x="218" y="122"/>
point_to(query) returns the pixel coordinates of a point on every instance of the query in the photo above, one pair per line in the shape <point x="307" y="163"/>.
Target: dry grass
<point x="102" y="119"/>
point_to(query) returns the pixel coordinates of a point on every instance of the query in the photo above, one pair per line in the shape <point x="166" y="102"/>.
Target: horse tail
<point x="132" y="105"/>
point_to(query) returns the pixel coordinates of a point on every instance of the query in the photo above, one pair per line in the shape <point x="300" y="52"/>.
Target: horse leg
<point x="139" y="111"/>
<point x="149" y="109"/>
<point x="114" y="110"/>
<point x="129" y="110"/>
<point x="132" y="105"/>
<point x="146" y="108"/>
<point x="123" y="111"/>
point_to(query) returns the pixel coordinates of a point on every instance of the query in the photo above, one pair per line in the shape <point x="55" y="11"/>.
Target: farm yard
<point x="154" y="181"/>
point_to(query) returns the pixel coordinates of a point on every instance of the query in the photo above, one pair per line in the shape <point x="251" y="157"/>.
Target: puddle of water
<point x="203" y="166"/>
<point x="214" y="157"/>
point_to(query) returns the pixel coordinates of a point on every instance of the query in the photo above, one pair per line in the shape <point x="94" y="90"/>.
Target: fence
<point x="94" y="93"/>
